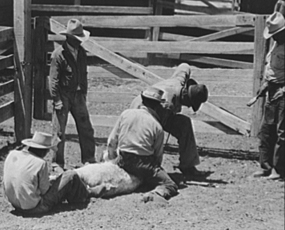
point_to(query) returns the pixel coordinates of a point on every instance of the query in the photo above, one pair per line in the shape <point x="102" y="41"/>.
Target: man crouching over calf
<point x="137" y="138"/>
<point x="26" y="179"/>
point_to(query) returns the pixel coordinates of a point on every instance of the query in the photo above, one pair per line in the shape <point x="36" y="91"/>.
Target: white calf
<point x="110" y="177"/>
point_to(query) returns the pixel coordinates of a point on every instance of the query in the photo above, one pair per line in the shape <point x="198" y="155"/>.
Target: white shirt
<point x="25" y="179"/>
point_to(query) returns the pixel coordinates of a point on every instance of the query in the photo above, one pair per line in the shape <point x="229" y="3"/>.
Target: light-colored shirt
<point x="72" y="50"/>
<point x="137" y="131"/>
<point x="25" y="179"/>
<point x="275" y="68"/>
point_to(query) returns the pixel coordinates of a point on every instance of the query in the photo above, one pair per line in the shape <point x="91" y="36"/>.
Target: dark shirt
<point x="66" y="73"/>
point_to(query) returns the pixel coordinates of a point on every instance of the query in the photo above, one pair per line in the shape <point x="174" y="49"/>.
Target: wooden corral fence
<point x="215" y="48"/>
<point x="130" y="40"/>
<point x="16" y="66"/>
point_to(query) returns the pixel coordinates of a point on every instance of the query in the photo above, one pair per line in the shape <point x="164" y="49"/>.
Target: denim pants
<point x="67" y="186"/>
<point x="180" y="126"/>
<point x="75" y="103"/>
<point x="272" y="136"/>
<point x="153" y="175"/>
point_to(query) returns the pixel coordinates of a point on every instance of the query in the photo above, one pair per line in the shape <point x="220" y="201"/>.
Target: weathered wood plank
<point x="6" y="47"/>
<point x="194" y="8"/>
<point x="223" y="34"/>
<point x="40" y="68"/>
<point x="6" y="61"/>
<point x="201" y="75"/>
<point x="260" y="50"/>
<point x="109" y="121"/>
<point x="161" y="21"/>
<point x="6" y="34"/>
<point x="190" y="46"/>
<point x="6" y="111"/>
<point x="53" y="9"/>
<point x="241" y="48"/>
<point x="216" y="61"/>
<point x="23" y="77"/>
<point x="174" y="37"/>
<point x="7" y="87"/>
<point x="226" y="118"/>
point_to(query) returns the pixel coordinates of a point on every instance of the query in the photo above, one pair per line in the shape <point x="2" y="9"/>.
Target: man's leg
<point x="67" y="186"/>
<point x="267" y="139"/>
<point x="84" y="127"/>
<point x="164" y="185"/>
<point x="152" y="175"/>
<point x="59" y="120"/>
<point x="180" y="126"/>
<point x="279" y="150"/>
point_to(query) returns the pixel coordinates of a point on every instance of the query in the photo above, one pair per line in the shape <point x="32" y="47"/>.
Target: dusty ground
<point x="234" y="201"/>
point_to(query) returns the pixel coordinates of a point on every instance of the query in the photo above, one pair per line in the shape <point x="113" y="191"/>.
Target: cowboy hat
<point x="153" y="93"/>
<point x="275" y="23"/>
<point x="75" y="28"/>
<point x="40" y="140"/>
<point x="198" y="94"/>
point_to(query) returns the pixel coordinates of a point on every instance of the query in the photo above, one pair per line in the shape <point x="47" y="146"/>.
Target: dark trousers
<point x="75" y="103"/>
<point x="146" y="168"/>
<point x="67" y="186"/>
<point x="180" y="126"/>
<point x="272" y="136"/>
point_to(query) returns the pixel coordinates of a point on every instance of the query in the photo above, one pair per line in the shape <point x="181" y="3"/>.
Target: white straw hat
<point x="40" y="140"/>
<point x="75" y="28"/>
<point x="274" y="24"/>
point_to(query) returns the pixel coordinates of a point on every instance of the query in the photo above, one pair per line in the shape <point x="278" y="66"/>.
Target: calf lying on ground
<point x="108" y="178"/>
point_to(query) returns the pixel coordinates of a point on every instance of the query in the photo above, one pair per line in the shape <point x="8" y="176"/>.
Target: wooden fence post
<point x="154" y="31"/>
<point x="40" y="57"/>
<point x="23" y="57"/>
<point x="260" y="51"/>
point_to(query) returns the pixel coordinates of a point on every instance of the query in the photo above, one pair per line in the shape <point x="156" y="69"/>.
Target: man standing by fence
<point x="272" y="131"/>
<point x="68" y="88"/>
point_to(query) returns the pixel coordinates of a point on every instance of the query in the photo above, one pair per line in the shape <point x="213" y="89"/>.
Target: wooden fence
<point x="213" y="48"/>
<point x="231" y="44"/>
<point x="15" y="60"/>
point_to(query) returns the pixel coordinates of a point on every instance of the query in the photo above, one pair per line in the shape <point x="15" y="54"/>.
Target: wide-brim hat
<point x="198" y="94"/>
<point x="153" y="93"/>
<point x="75" y="28"/>
<point x="39" y="140"/>
<point x="275" y="23"/>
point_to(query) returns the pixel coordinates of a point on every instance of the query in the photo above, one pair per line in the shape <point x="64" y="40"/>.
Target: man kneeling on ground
<point x="26" y="181"/>
<point x="137" y="139"/>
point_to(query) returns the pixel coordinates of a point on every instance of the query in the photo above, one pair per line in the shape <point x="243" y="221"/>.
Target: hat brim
<point x="196" y="106"/>
<point x="152" y="98"/>
<point x="267" y="35"/>
<point x="31" y="143"/>
<point x="83" y="38"/>
<point x="191" y="81"/>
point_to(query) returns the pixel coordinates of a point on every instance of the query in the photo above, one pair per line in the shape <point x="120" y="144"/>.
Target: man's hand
<point x="252" y="101"/>
<point x="58" y="105"/>
<point x="280" y="92"/>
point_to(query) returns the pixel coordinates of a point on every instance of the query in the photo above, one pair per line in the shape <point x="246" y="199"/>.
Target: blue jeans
<point x="74" y="102"/>
<point x="146" y="168"/>
<point x="272" y="136"/>
<point x="67" y="186"/>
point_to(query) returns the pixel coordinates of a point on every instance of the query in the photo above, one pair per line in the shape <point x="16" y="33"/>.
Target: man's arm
<point x="43" y="178"/>
<point x="260" y="93"/>
<point x="54" y="79"/>
<point x="112" y="143"/>
<point x="158" y="146"/>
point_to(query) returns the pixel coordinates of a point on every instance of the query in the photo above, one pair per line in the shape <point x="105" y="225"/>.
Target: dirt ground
<point x="233" y="200"/>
